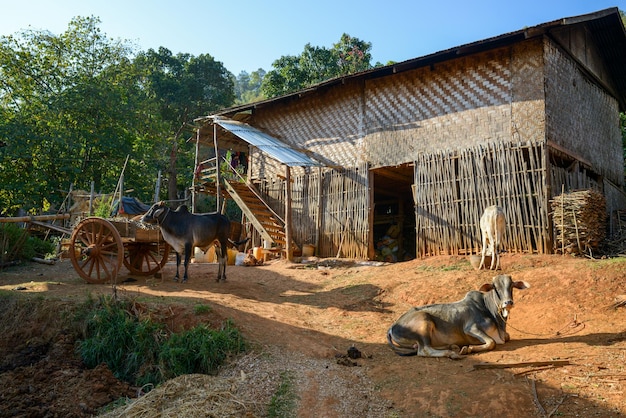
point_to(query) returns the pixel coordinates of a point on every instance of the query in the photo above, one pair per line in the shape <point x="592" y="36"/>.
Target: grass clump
<point x="142" y="352"/>
<point x="199" y="350"/>
<point x="283" y="402"/>
<point x="17" y="244"/>
<point x="201" y="309"/>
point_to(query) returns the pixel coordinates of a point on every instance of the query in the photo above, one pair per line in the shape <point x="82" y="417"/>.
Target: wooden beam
<point x="371" y="251"/>
<point x="554" y="363"/>
<point x="569" y="153"/>
<point x="217" y="162"/>
<point x="288" y="231"/>
<point x="35" y="218"/>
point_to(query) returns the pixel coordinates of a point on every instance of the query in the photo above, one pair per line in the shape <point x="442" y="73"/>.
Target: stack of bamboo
<point x="580" y="221"/>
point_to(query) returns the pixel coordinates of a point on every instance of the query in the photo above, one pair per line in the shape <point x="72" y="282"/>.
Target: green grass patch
<point x="283" y="402"/>
<point x="201" y="309"/>
<point x="142" y="352"/>
<point x="614" y="262"/>
<point x="199" y="350"/>
<point x="452" y="267"/>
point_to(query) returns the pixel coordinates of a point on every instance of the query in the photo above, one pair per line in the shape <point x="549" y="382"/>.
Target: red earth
<point x="566" y="356"/>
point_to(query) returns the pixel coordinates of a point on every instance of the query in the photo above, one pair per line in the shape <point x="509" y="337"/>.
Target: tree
<point x="71" y="111"/>
<point x="316" y="64"/>
<point x="248" y="86"/>
<point x="185" y="87"/>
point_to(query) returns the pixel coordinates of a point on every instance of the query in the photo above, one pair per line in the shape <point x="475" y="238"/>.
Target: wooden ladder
<point x="267" y="222"/>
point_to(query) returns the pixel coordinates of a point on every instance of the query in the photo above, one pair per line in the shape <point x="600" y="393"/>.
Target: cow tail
<point x="401" y="351"/>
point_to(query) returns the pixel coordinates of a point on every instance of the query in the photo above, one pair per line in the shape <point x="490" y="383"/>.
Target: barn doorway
<point x="394" y="213"/>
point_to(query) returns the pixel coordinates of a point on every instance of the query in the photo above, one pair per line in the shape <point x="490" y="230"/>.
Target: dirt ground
<point x="566" y="357"/>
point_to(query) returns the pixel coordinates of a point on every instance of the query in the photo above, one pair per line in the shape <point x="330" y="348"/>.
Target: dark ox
<point x="183" y="231"/>
<point x="475" y="323"/>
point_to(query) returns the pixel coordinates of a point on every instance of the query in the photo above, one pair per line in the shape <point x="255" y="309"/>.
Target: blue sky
<point x="248" y="35"/>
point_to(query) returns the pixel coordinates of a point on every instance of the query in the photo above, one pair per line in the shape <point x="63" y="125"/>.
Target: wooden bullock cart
<point x="98" y="248"/>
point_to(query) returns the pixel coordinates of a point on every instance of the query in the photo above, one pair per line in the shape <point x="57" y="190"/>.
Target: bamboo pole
<point x="217" y="162"/>
<point x="195" y="172"/>
<point x="34" y="218"/>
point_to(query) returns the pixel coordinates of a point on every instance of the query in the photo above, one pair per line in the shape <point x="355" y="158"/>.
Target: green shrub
<point x="141" y="352"/>
<point x="126" y="344"/>
<point x="199" y="350"/>
<point x="17" y="244"/>
<point x="201" y="309"/>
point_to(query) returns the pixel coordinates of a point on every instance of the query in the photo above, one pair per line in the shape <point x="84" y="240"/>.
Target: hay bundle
<point x="190" y="395"/>
<point x="580" y="221"/>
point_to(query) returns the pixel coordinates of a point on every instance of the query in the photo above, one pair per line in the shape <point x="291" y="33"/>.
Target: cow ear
<point x="159" y="212"/>
<point x="521" y="285"/>
<point x="486" y="287"/>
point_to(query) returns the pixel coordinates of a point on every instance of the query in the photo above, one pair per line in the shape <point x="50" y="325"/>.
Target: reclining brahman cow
<point x="183" y="230"/>
<point x="475" y="323"/>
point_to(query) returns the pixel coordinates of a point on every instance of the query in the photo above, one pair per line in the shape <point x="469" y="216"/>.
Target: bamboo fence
<point x="329" y="210"/>
<point x="453" y="189"/>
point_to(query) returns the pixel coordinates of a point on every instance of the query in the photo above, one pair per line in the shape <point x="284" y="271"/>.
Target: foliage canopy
<point x="317" y="64"/>
<point x="73" y="107"/>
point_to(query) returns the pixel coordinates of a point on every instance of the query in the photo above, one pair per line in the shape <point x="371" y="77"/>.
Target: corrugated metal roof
<point x="266" y="143"/>
<point x="605" y="26"/>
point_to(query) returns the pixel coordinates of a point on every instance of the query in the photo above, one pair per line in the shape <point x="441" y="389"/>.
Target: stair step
<point x="262" y="218"/>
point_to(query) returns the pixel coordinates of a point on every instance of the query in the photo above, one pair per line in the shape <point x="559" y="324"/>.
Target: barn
<point x="399" y="161"/>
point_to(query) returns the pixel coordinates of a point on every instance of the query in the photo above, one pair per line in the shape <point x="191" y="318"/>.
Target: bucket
<point x="200" y="257"/>
<point x="308" y="250"/>
<point x="232" y="256"/>
<point x="257" y="252"/>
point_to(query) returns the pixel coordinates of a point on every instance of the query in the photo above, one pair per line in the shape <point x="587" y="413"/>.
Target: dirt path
<point x="304" y="316"/>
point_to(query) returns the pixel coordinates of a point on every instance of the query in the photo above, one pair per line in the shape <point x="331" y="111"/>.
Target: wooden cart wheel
<point x="146" y="258"/>
<point x="96" y="250"/>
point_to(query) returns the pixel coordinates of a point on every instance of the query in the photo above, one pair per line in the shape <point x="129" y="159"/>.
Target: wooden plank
<point x="554" y="363"/>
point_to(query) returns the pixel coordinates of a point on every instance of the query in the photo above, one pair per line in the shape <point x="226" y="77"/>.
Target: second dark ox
<point x="183" y="230"/>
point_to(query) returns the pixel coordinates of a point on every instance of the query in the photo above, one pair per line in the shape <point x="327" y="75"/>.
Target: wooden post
<point x="91" y="196"/>
<point x="371" y="252"/>
<point x="69" y="197"/>
<point x="157" y="188"/>
<point x="288" y="213"/>
<point x="195" y="171"/>
<point x="119" y="205"/>
<point x="318" y="223"/>
<point x="217" y="167"/>
<point x="549" y="221"/>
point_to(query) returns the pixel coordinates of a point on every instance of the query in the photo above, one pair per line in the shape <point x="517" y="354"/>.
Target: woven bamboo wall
<point x="453" y="189"/>
<point x="326" y="126"/>
<point x="581" y="116"/>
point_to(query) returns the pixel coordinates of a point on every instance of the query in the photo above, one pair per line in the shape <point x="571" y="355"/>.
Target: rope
<point x="160" y="222"/>
<point x="576" y="325"/>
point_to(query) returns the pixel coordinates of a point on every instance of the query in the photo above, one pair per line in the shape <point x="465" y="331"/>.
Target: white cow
<point x="492" y="225"/>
